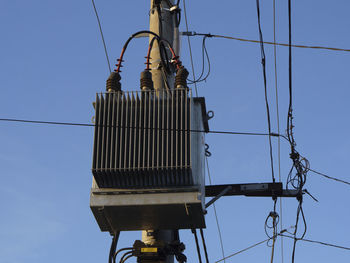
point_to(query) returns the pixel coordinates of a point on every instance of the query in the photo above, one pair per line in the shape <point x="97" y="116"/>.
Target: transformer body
<point x="148" y="160"/>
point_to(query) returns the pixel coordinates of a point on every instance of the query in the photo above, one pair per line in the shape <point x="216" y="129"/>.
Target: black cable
<point x="204" y="245"/>
<point x="263" y="62"/>
<point x="129" y="127"/>
<point x="243" y="250"/>
<point x="299" y="211"/>
<point x="267" y="42"/>
<point x="120" y="250"/>
<point x="216" y="215"/>
<point x="189" y="47"/>
<point x="204" y="54"/>
<point x="329" y="177"/>
<point x="126" y="258"/>
<point x="103" y="39"/>
<point x="317" y="242"/>
<point x="275" y="220"/>
<point x="194" y="231"/>
<point x="113" y="246"/>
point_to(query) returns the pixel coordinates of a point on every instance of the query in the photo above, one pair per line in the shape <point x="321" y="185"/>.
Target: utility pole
<point x="162" y="23"/>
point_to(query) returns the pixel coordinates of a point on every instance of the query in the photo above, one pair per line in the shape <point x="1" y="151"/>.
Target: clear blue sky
<point x="52" y="64"/>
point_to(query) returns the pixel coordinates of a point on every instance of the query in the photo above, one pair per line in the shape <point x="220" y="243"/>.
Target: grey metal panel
<point x="173" y="210"/>
<point x="143" y="140"/>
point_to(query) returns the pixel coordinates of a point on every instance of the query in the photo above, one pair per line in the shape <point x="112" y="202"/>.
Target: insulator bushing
<point x="181" y="78"/>
<point x="113" y="82"/>
<point x="146" y="82"/>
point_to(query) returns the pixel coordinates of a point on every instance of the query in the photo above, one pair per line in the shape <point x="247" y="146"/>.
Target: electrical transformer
<point x="148" y="160"/>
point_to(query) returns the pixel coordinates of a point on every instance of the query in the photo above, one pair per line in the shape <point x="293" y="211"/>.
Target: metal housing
<point x="148" y="160"/>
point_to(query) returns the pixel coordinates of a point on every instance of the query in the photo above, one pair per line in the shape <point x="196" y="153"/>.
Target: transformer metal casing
<point x="148" y="160"/>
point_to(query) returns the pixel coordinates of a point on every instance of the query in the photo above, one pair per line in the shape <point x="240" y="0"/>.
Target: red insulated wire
<point x="148" y="57"/>
<point x="175" y="58"/>
<point x="120" y="60"/>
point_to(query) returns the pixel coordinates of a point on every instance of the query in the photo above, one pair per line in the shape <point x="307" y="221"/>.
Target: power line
<point x="103" y="39"/>
<point x="317" y="242"/>
<point x="131" y="127"/>
<point x="216" y="215"/>
<point x="267" y="42"/>
<point x="329" y="177"/>
<point x="263" y="62"/>
<point x="243" y="250"/>
<point x="278" y="121"/>
<point x="190" y="49"/>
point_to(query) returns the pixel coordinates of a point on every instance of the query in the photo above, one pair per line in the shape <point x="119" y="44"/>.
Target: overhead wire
<point x="130" y="127"/>
<point x="189" y="47"/>
<point x="269" y="42"/>
<point x="278" y="124"/>
<point x="317" y="242"/>
<point x="263" y="62"/>
<point x="329" y="177"/>
<point x="102" y="37"/>
<point x="216" y="215"/>
<point x="243" y="250"/>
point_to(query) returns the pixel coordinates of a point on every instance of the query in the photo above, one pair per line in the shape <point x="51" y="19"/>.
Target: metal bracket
<point x="258" y="190"/>
<point x="223" y="192"/>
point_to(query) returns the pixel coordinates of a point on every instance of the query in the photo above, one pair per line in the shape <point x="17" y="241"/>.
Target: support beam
<point x="258" y="190"/>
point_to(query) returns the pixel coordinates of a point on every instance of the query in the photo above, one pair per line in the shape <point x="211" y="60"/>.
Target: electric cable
<point x="299" y="211"/>
<point x="275" y="220"/>
<point x="120" y="250"/>
<point x="252" y="246"/>
<point x="329" y="177"/>
<point x="130" y="127"/>
<point x="102" y="37"/>
<point x="125" y="258"/>
<point x="204" y="54"/>
<point x="148" y="57"/>
<point x="120" y="60"/>
<point x="243" y="250"/>
<point x="263" y="62"/>
<point x="267" y="42"/>
<point x="278" y="123"/>
<point x="113" y="246"/>
<point x="317" y="242"/>
<point x="194" y="231"/>
<point x="190" y="49"/>
<point x="216" y="215"/>
<point x="204" y="245"/>
<point x="298" y="181"/>
<point x="273" y="241"/>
